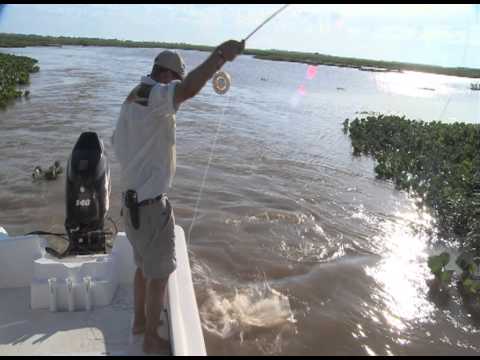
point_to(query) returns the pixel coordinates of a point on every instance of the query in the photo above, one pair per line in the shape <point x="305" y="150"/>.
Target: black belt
<point x="130" y="198"/>
<point x="151" y="201"/>
<point x="147" y="201"/>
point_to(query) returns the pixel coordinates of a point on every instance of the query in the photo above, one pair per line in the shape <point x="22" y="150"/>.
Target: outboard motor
<point x="87" y="196"/>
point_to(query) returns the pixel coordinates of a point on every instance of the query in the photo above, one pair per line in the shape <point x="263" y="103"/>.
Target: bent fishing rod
<point x="221" y="79"/>
<point x="221" y="84"/>
<point x="266" y="21"/>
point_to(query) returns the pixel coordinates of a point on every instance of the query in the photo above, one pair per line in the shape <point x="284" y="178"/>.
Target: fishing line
<point x="221" y="84"/>
<point x="220" y="122"/>
<point x="467" y="42"/>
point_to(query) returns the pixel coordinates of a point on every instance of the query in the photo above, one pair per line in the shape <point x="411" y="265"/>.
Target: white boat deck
<point x="102" y="331"/>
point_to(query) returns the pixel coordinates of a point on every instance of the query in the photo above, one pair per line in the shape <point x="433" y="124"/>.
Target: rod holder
<point x="52" y="288"/>
<point x="71" y="305"/>
<point x="88" y="282"/>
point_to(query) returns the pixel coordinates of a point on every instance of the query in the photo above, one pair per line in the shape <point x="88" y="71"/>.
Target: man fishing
<point x="144" y="144"/>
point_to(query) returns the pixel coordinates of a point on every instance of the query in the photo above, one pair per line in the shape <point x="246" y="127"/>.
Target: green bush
<point x="439" y="162"/>
<point x="14" y="70"/>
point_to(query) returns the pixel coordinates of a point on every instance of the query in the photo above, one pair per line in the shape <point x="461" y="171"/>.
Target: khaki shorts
<point x="153" y="242"/>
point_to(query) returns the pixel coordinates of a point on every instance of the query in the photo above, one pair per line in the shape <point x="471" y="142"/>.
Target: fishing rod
<point x="266" y="21"/>
<point x="221" y="79"/>
<point x="221" y="83"/>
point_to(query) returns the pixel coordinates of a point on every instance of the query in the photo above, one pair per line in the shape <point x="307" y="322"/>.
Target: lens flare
<point x="301" y="90"/>
<point x="337" y="21"/>
<point x="311" y="72"/>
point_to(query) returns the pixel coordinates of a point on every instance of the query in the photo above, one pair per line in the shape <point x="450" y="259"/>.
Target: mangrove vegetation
<point x="19" y="40"/>
<point x="439" y="164"/>
<point x="14" y="70"/>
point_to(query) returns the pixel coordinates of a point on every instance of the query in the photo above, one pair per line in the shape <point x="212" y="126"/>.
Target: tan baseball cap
<point x="171" y="60"/>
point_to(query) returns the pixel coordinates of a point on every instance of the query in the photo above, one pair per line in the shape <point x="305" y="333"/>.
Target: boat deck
<point x="102" y="331"/>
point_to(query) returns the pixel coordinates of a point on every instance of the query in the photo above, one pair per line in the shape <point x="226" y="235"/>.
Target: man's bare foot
<point x="155" y="344"/>
<point x="138" y="327"/>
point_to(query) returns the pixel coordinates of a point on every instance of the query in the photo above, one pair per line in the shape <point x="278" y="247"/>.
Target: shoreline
<point x="341" y="65"/>
<point x="315" y="59"/>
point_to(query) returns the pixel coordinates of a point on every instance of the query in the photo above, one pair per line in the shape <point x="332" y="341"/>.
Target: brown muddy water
<point x="296" y="248"/>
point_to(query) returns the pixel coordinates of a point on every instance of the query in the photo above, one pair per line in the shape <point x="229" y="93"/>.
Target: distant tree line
<point x="20" y="40"/>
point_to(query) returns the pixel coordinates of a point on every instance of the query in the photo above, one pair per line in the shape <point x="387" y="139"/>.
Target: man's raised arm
<point x="199" y="76"/>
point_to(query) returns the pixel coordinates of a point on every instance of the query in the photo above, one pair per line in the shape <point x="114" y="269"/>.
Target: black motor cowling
<point x="87" y="191"/>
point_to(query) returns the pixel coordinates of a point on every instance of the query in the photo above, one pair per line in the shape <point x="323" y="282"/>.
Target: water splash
<point x="251" y="308"/>
<point x="203" y="275"/>
<point x="306" y="250"/>
<point x="272" y="216"/>
<point x="301" y="237"/>
<point x="362" y="214"/>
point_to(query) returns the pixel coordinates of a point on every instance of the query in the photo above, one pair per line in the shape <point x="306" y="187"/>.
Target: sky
<point x="441" y="34"/>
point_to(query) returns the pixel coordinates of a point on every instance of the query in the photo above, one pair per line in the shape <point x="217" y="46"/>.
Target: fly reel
<point x="221" y="82"/>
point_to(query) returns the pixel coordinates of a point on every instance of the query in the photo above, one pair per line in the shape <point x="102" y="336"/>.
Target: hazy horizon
<point x="442" y="35"/>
